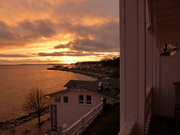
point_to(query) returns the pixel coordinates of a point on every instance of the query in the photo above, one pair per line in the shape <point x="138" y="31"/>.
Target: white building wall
<point x="70" y="112"/>
<point x="160" y="71"/>
<point x="133" y="63"/>
<point x="169" y="73"/>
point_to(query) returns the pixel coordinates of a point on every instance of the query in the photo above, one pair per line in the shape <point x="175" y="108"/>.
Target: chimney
<point x="107" y="83"/>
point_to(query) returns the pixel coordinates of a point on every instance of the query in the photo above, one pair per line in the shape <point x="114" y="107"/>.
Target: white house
<point x="69" y="105"/>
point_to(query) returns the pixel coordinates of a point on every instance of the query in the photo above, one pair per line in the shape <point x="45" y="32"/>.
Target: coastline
<point x="94" y="75"/>
<point x="9" y="124"/>
<point x="18" y="121"/>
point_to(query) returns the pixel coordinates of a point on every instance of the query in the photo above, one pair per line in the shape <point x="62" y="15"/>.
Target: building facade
<point x="69" y="105"/>
<point x="146" y="27"/>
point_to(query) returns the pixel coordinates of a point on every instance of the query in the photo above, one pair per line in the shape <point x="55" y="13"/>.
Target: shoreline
<point x="94" y="75"/>
<point x="9" y="124"/>
<point x="5" y="125"/>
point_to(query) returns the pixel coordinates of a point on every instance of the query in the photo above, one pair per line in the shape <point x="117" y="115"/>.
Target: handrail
<point x="128" y="128"/>
<point x="148" y="113"/>
<point x="80" y="125"/>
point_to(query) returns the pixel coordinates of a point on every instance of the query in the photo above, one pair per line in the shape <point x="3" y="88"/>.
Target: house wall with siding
<point x="169" y="73"/>
<point x="72" y="111"/>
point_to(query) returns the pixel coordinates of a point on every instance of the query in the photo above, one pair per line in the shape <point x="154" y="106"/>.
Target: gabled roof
<point x="57" y="92"/>
<point x="111" y="91"/>
<point x="75" y="83"/>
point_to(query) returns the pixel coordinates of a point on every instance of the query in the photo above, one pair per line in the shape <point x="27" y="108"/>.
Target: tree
<point x="113" y="62"/>
<point x="35" y="102"/>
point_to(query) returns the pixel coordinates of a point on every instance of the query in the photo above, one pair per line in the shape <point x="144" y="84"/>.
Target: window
<point x="88" y="99"/>
<point x="57" y="99"/>
<point x="81" y="99"/>
<point x="65" y="99"/>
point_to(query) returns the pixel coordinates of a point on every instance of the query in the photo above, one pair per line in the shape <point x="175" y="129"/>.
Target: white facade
<point x="75" y="108"/>
<point x="145" y="26"/>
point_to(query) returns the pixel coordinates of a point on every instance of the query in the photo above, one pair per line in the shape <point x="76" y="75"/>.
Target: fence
<point x="79" y="126"/>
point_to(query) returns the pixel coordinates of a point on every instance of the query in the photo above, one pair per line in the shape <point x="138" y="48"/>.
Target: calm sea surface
<point x="16" y="81"/>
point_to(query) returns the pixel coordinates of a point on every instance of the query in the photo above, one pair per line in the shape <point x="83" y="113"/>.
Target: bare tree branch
<point x="35" y="102"/>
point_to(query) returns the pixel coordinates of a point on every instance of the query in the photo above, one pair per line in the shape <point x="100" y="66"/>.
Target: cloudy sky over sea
<point x="55" y="31"/>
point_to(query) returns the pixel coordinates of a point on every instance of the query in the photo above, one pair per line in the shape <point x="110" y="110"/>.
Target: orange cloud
<point x="50" y="26"/>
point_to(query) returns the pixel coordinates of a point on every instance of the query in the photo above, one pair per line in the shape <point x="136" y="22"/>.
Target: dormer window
<point x="57" y="99"/>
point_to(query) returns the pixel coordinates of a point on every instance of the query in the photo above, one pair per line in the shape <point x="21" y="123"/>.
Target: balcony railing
<point x="129" y="127"/>
<point x="148" y="113"/>
<point x="79" y="126"/>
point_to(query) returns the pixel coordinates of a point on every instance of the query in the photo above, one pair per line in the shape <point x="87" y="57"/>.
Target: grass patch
<point x="107" y="123"/>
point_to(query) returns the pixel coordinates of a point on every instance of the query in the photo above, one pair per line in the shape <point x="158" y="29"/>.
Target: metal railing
<point x="79" y="126"/>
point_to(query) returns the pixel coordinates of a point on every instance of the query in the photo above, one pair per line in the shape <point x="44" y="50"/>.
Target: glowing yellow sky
<point x="58" y="31"/>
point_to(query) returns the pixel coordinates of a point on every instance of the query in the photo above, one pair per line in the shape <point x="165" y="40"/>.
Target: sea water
<point x="17" y="80"/>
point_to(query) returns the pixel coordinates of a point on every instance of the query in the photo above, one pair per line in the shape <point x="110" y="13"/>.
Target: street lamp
<point x="13" y="128"/>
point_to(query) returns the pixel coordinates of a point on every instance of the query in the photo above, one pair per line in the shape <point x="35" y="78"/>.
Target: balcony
<point x="129" y="128"/>
<point x="164" y="127"/>
<point x="158" y="126"/>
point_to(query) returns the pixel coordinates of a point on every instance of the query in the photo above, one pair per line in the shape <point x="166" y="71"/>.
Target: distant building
<point x="88" y="65"/>
<point x="67" y="106"/>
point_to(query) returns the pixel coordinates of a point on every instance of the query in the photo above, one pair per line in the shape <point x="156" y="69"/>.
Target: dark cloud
<point x="61" y="46"/>
<point x="38" y="28"/>
<point x="14" y="55"/>
<point x="89" y="27"/>
<point x="79" y="10"/>
<point x="5" y="61"/>
<point x="26" y="32"/>
<point x="28" y="61"/>
<point x="7" y="36"/>
<point x="51" y="54"/>
<point x="70" y="53"/>
<point x="96" y="38"/>
<point x="5" y="33"/>
<point x="89" y="45"/>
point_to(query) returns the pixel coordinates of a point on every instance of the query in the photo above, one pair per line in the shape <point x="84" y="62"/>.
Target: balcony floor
<point x="162" y="127"/>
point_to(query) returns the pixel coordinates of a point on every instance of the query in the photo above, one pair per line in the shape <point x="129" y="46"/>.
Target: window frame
<point x="57" y="99"/>
<point x="66" y="99"/>
<point x="88" y="102"/>
<point x="81" y="101"/>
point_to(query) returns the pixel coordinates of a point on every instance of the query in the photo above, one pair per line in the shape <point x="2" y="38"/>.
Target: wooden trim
<point x="167" y="21"/>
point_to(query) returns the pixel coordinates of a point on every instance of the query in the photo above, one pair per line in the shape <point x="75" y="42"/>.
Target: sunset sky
<point x="58" y="31"/>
